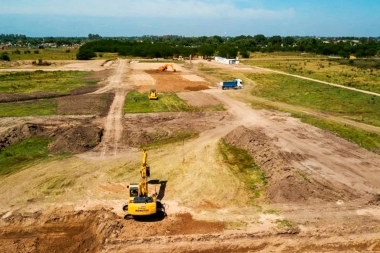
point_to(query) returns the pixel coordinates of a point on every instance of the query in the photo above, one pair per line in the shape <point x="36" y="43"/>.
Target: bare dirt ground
<point x="322" y="192"/>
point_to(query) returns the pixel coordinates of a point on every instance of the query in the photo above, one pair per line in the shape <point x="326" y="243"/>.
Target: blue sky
<point x="191" y="17"/>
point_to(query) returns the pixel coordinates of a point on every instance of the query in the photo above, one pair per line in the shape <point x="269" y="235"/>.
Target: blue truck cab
<point x="234" y="84"/>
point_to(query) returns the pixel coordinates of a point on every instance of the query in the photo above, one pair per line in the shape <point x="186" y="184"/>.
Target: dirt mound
<point x="77" y="139"/>
<point x="74" y="137"/>
<point x="83" y="231"/>
<point x="13" y="97"/>
<point x="16" y="97"/>
<point x="196" y="88"/>
<point x="286" y="183"/>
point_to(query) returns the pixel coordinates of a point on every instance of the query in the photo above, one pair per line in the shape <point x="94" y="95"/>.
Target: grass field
<point x="28" y="108"/>
<point x="44" y="54"/>
<point x="324" y="98"/>
<point x="18" y="156"/>
<point x="169" y="102"/>
<point x="326" y="70"/>
<point x="44" y="81"/>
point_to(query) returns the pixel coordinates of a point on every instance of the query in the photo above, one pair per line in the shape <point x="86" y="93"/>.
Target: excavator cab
<point x="153" y="94"/>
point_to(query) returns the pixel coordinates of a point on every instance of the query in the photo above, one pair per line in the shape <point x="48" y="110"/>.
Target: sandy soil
<point x="322" y="192"/>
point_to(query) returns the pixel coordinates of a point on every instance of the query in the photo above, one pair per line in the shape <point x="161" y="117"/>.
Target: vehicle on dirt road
<point x="234" y="84"/>
<point x="140" y="203"/>
<point x="153" y="94"/>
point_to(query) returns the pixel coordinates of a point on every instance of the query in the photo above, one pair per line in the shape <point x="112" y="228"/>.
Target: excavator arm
<point x="143" y="185"/>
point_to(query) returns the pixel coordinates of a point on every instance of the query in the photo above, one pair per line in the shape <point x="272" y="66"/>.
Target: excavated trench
<point x="83" y="231"/>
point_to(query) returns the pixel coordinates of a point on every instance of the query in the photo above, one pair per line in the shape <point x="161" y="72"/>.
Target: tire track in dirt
<point x="113" y="128"/>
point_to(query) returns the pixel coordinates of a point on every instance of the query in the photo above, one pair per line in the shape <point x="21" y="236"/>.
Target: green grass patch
<point x="243" y="166"/>
<point x="327" y="70"/>
<point x="56" y="185"/>
<point x="22" y="154"/>
<point x="176" y="137"/>
<point x="285" y="223"/>
<point x="139" y="103"/>
<point x="120" y="174"/>
<point x="320" y="97"/>
<point x="367" y="140"/>
<point x="28" y="108"/>
<point x="35" y="54"/>
<point x="217" y="73"/>
<point x="272" y="211"/>
<point x="62" y="82"/>
<point x="303" y="176"/>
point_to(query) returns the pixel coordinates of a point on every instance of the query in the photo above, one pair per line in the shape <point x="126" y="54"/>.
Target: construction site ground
<point x="323" y="192"/>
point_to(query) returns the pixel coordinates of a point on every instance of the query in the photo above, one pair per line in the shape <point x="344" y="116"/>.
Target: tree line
<point x="173" y="45"/>
<point x="231" y="47"/>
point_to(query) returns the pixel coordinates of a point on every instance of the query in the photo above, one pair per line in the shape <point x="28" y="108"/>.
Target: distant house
<point x="226" y="61"/>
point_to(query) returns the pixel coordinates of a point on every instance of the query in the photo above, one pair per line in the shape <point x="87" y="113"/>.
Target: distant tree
<point x="85" y="53"/>
<point x="244" y="53"/>
<point x="288" y="41"/>
<point x="206" y="50"/>
<point x="260" y="39"/>
<point x="4" y="57"/>
<point x="276" y="40"/>
<point x="94" y="36"/>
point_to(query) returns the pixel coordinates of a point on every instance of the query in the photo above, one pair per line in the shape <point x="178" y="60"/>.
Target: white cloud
<point x="145" y="8"/>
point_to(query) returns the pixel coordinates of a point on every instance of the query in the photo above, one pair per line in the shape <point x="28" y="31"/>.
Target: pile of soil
<point x="74" y="137"/>
<point x="286" y="183"/>
<point x="16" y="97"/>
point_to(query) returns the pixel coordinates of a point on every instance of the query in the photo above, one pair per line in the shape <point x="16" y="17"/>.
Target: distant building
<point x="226" y="61"/>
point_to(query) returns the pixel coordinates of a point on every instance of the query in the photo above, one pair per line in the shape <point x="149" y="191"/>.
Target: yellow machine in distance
<point x="153" y="94"/>
<point x="140" y="203"/>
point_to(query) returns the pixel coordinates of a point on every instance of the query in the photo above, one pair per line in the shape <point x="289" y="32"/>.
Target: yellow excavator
<point x="165" y="67"/>
<point x="153" y="94"/>
<point x="140" y="203"/>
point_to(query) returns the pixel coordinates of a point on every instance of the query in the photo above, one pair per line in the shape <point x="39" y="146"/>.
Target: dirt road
<point x="113" y="127"/>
